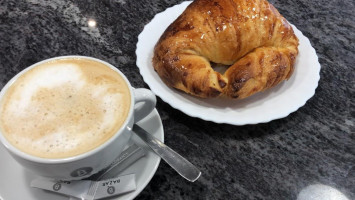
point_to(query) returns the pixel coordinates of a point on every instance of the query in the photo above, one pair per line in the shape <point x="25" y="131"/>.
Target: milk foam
<point x="64" y="108"/>
<point x="49" y="78"/>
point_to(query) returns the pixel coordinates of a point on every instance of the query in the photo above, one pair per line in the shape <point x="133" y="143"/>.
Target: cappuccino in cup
<point x="63" y="108"/>
<point x="69" y="117"/>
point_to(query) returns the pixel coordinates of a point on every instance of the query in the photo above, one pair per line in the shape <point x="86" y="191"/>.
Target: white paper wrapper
<point x="103" y="184"/>
<point x="86" y="189"/>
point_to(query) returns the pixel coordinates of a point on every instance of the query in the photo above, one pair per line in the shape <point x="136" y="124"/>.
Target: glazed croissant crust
<point x="250" y="36"/>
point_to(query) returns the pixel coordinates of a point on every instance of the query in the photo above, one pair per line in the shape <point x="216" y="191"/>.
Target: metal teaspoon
<point x="176" y="161"/>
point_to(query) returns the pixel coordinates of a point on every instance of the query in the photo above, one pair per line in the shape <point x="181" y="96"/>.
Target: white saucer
<point x="274" y="103"/>
<point x="15" y="180"/>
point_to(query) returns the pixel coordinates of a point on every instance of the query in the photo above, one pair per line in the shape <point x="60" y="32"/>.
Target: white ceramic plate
<point x="15" y="180"/>
<point x="274" y="103"/>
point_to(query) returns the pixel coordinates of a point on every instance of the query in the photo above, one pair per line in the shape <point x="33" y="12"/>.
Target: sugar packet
<point x="100" y="185"/>
<point x="86" y="189"/>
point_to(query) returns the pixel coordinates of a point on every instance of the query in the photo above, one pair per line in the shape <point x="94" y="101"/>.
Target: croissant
<point x="249" y="36"/>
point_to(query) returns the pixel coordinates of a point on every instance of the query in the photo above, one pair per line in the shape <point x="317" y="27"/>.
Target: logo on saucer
<point x="57" y="186"/>
<point x="81" y="172"/>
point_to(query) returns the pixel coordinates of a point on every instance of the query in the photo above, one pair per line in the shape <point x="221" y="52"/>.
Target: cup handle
<point x="145" y="102"/>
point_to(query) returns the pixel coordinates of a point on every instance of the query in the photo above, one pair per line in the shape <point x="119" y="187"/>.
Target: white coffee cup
<point x="142" y="102"/>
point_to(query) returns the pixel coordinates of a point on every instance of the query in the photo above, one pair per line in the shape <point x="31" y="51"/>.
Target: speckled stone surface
<point x="275" y="160"/>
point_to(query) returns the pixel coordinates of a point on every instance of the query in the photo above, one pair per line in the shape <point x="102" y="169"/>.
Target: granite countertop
<point x="304" y="153"/>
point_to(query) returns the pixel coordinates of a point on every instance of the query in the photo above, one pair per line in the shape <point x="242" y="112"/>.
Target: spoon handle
<point x="176" y="161"/>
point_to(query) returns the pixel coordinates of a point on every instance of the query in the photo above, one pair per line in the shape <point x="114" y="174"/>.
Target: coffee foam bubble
<point x="64" y="108"/>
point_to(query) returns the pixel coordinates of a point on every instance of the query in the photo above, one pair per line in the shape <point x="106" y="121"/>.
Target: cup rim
<point x="11" y="148"/>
